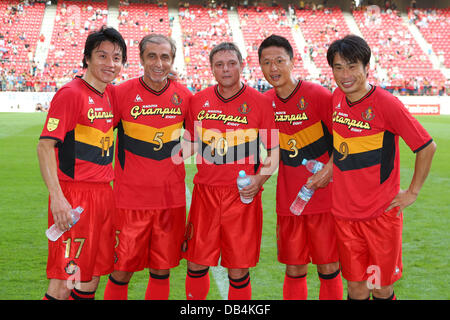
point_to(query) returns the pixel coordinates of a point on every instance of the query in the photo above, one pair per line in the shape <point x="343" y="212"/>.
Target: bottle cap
<point x="304" y="161"/>
<point x="242" y="174"/>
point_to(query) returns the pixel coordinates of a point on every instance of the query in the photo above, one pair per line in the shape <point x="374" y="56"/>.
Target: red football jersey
<point x="149" y="129"/>
<point x="304" y="122"/>
<point x="80" y="118"/>
<point x="229" y="133"/>
<point x="366" y="170"/>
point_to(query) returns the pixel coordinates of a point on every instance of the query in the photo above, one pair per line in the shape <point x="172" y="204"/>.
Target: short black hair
<point x="276" y="41"/>
<point x="352" y="48"/>
<point x="225" y="46"/>
<point x="95" y="38"/>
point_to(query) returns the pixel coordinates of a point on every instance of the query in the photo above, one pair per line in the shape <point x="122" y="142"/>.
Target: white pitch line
<point x="219" y="273"/>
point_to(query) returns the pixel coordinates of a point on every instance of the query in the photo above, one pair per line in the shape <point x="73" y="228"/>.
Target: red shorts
<point x="149" y="238"/>
<point x="87" y="249"/>
<point x="220" y="225"/>
<point x="302" y="239"/>
<point x="371" y="250"/>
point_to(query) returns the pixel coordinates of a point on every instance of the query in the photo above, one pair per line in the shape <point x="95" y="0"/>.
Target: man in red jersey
<point x="75" y="153"/>
<point x="367" y="199"/>
<point x="149" y="187"/>
<point x="303" y="117"/>
<point x="227" y="123"/>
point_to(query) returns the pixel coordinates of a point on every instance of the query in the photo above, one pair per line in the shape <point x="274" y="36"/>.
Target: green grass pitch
<point x="23" y="214"/>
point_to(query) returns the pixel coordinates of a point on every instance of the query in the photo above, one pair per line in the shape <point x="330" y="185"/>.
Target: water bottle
<point x="312" y="166"/>
<point x="301" y="200"/>
<point x="53" y="233"/>
<point x="242" y="181"/>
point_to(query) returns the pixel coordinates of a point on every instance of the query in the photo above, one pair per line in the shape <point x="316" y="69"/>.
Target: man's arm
<point x="269" y="166"/>
<point x="321" y="178"/>
<point x="422" y="167"/>
<point x="59" y="205"/>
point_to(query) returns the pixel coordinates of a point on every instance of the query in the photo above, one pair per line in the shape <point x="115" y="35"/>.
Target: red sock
<point x="240" y="289"/>
<point x="115" y="290"/>
<point x="331" y="287"/>
<point x="48" y="297"/>
<point x="81" y="295"/>
<point x="158" y="287"/>
<point x="197" y="284"/>
<point x="295" y="288"/>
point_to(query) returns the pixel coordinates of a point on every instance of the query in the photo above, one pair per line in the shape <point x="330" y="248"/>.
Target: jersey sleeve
<point x="325" y="107"/>
<point x="189" y="120"/>
<point x="62" y="115"/>
<point x="268" y="130"/>
<point x="115" y="103"/>
<point x="400" y="122"/>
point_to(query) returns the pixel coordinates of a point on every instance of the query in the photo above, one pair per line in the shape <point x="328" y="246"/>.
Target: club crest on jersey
<point x="52" y="124"/>
<point x="244" y="108"/>
<point x="71" y="267"/>
<point x="302" y="104"/>
<point x="176" y="99"/>
<point x="368" y="115"/>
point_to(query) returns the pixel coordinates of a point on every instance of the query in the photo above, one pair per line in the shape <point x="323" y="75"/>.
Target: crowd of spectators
<point x="198" y="43"/>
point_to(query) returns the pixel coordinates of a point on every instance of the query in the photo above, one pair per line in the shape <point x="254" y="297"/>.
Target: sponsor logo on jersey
<point x="291" y="117"/>
<point x="52" y="124"/>
<point x="93" y="115"/>
<point x="91" y="101"/>
<point x="138" y="111"/>
<point x="204" y="115"/>
<point x="350" y="123"/>
<point x="138" y="98"/>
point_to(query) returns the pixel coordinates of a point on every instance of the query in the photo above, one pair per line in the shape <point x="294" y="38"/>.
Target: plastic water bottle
<point x="313" y="166"/>
<point x="301" y="200"/>
<point x="53" y="233"/>
<point x="242" y="181"/>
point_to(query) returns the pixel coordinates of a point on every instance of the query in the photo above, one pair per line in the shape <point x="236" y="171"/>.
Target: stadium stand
<point x="407" y="68"/>
<point x="19" y="34"/>
<point x="202" y="29"/>
<point x="433" y="24"/>
<point x="135" y="21"/>
<point x="257" y="23"/>
<point x="396" y="50"/>
<point x="320" y="28"/>
<point x="73" y="22"/>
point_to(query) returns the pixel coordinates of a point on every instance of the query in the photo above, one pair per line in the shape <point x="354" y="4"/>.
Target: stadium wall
<point x="28" y="101"/>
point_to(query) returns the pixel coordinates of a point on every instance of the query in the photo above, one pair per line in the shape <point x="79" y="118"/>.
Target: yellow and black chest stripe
<point x="149" y="142"/>
<point x="307" y="143"/>
<point x="353" y="153"/>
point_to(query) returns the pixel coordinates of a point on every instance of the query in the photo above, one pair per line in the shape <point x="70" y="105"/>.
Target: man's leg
<point x="197" y="281"/>
<point x="295" y="286"/>
<point x="117" y="285"/>
<point x="331" y="287"/>
<point x="240" y="286"/>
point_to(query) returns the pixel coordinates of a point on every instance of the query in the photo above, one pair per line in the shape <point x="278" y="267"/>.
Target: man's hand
<point x="60" y="208"/>
<point x="252" y="190"/>
<point x="321" y="178"/>
<point x="402" y="200"/>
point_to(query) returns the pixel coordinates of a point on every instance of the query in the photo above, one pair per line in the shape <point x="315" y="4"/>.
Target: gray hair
<point x="157" y="39"/>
